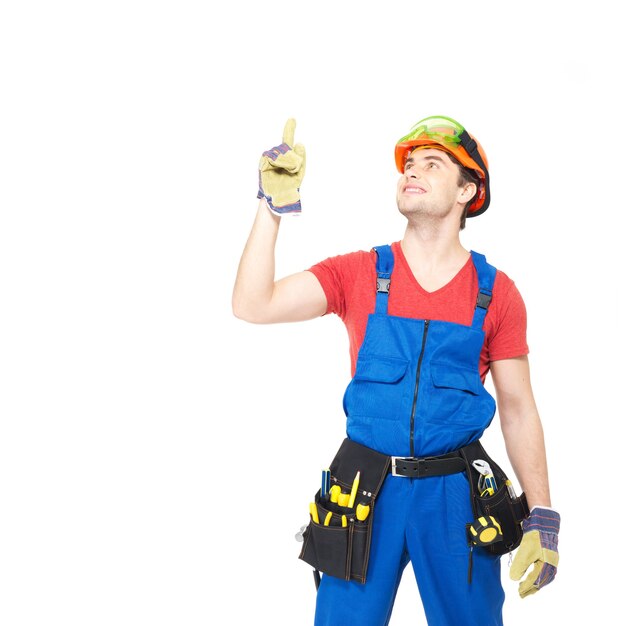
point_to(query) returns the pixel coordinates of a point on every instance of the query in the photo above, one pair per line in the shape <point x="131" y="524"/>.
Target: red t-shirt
<point x="349" y="282"/>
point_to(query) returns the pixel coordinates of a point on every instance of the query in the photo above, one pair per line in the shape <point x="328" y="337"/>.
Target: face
<point x="430" y="185"/>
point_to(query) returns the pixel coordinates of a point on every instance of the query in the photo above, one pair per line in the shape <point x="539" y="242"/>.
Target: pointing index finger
<point x="289" y="131"/>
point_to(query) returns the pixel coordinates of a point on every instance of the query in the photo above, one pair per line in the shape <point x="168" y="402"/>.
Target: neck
<point x="429" y="247"/>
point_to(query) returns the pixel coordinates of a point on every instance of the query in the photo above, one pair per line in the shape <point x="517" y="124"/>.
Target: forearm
<point x="254" y="284"/>
<point x="523" y="436"/>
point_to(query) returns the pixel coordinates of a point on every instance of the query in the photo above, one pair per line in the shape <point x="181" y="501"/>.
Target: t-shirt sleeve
<point x="337" y="276"/>
<point x="509" y="334"/>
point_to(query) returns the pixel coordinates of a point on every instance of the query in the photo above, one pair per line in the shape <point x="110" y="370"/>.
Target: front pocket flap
<point x="380" y="369"/>
<point x="454" y="377"/>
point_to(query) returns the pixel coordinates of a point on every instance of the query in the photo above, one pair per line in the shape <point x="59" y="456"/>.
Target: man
<point x="426" y="320"/>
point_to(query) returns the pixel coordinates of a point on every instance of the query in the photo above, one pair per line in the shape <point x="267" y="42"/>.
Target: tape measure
<point x="484" y="531"/>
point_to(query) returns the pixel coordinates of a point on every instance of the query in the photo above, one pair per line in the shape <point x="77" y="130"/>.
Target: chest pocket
<point x="455" y="395"/>
<point x="378" y="388"/>
<point x="446" y="376"/>
<point x="379" y="369"/>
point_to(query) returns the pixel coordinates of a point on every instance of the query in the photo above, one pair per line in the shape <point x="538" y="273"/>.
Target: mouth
<point x="414" y="189"/>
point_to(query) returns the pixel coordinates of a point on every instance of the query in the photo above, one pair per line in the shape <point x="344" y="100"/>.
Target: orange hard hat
<point x="447" y="134"/>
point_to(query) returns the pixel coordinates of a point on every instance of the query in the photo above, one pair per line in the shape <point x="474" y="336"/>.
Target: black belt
<point x="412" y="467"/>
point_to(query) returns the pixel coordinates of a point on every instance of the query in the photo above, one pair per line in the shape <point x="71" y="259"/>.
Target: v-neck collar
<point x="407" y="267"/>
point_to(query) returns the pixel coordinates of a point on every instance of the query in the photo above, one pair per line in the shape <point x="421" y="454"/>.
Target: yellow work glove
<point x="539" y="548"/>
<point x="281" y="171"/>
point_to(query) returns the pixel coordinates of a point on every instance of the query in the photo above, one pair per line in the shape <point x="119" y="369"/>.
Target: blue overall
<point x="417" y="392"/>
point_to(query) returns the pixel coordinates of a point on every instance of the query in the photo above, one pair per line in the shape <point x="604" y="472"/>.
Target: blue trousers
<point x="421" y="521"/>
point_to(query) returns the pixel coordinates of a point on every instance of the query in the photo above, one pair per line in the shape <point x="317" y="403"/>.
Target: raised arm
<point x="257" y="296"/>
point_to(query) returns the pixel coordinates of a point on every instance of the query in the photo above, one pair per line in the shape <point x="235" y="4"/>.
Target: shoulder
<point x="506" y="320"/>
<point x="507" y="305"/>
<point x="506" y="297"/>
<point x="503" y="286"/>
<point x="342" y="276"/>
<point x="348" y="263"/>
<point x="503" y="282"/>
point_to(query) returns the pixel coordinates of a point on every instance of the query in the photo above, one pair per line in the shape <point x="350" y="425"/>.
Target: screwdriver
<point x="313" y="512"/>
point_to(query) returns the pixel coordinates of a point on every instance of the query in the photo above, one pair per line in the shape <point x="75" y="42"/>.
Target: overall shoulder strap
<point x="384" y="268"/>
<point x="486" y="277"/>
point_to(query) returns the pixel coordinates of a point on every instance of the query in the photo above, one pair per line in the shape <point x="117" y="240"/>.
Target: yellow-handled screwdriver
<point x="335" y="490"/>
<point x="362" y="511"/>
<point x="343" y="499"/>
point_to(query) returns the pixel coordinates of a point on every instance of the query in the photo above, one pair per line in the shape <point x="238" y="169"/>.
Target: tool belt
<point x="335" y="549"/>
<point x="338" y="543"/>
<point x="508" y="509"/>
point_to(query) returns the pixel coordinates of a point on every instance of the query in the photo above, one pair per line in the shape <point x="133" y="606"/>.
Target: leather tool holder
<point x="343" y="551"/>
<point x="507" y="510"/>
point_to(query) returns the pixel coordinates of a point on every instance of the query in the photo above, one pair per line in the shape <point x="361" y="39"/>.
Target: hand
<point x="539" y="547"/>
<point x="281" y="171"/>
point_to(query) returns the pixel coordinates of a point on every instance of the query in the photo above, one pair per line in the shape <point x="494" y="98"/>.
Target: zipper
<point x="417" y="381"/>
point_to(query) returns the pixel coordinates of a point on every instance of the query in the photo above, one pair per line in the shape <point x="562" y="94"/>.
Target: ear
<point x="468" y="191"/>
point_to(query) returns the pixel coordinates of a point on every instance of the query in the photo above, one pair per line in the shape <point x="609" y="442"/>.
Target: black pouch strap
<point x="428" y="466"/>
<point x="352" y="457"/>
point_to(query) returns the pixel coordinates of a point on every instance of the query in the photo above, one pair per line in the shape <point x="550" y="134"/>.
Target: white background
<point x="158" y="455"/>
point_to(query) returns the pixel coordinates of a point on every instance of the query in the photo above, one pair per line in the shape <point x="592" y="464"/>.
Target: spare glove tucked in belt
<point x="539" y="547"/>
<point x="281" y="171"/>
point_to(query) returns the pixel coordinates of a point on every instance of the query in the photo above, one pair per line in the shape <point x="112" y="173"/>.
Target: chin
<point x="410" y="210"/>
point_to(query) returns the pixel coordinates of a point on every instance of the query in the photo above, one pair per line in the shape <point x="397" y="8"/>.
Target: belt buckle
<point x="393" y="466"/>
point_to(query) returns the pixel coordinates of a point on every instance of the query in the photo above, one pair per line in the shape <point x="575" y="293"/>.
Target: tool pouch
<point x="343" y="551"/>
<point x="509" y="511"/>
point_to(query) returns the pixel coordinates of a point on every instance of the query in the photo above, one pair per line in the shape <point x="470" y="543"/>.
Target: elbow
<point x="246" y="312"/>
<point x="240" y="311"/>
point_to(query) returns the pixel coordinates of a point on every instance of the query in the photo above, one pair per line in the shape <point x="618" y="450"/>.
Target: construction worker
<point x="427" y="320"/>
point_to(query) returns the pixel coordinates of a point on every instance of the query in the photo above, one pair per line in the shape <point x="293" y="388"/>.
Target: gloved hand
<point x="281" y="171"/>
<point x="539" y="547"/>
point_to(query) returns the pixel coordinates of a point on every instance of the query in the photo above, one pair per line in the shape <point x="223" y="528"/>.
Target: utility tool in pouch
<point x="341" y="546"/>
<point x="486" y="483"/>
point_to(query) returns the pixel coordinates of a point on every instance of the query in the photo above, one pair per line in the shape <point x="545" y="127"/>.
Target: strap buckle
<point x="393" y="465"/>
<point x="382" y="284"/>
<point x="414" y="467"/>
<point x="483" y="300"/>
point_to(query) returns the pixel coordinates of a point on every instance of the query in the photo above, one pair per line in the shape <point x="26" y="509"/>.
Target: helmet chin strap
<point x="471" y="147"/>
